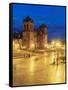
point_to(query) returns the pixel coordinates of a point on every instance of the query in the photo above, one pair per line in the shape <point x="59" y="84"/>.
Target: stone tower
<point x="28" y="34"/>
<point x="42" y="37"/>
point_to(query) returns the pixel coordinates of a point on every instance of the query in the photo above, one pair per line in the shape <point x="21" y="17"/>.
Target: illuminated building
<point x="34" y="38"/>
<point x="42" y="37"/>
<point x="28" y="34"/>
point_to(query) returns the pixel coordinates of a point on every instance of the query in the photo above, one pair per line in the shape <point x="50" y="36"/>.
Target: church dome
<point x="27" y="19"/>
<point x="43" y="26"/>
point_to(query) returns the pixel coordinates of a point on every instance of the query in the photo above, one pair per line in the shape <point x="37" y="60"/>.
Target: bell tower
<point x="42" y="37"/>
<point x="28" y="34"/>
<point x="28" y="24"/>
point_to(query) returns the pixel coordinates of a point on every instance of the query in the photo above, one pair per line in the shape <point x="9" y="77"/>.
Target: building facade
<point x="28" y="34"/>
<point x="42" y="37"/>
<point x="31" y="38"/>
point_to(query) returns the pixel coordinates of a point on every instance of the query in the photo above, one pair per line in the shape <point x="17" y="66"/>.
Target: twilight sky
<point x="52" y="16"/>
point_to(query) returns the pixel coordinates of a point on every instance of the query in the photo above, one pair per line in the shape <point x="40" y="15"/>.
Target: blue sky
<point x="52" y="16"/>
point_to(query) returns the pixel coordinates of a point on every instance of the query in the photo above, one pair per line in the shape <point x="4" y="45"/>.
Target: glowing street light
<point x="32" y="45"/>
<point x="56" y="43"/>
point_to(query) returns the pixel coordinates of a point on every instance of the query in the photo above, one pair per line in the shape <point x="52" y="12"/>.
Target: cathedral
<point x="34" y="38"/>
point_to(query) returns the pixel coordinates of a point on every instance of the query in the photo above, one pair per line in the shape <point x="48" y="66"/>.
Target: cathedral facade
<point x="34" y="38"/>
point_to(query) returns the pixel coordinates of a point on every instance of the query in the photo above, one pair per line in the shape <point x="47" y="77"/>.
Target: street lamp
<point x="32" y="46"/>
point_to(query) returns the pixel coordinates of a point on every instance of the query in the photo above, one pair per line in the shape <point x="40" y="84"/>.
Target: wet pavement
<point x="37" y="69"/>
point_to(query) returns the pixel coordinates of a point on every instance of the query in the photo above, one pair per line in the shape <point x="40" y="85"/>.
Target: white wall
<point x="4" y="44"/>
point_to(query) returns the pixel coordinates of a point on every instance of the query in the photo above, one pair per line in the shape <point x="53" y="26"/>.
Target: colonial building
<point x="34" y="38"/>
<point x="28" y="34"/>
<point x="42" y="37"/>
